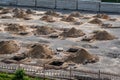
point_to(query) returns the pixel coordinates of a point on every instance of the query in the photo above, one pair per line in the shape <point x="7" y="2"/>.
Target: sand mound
<point x="19" y="13"/>
<point x="15" y="28"/>
<point x="102" y="16"/>
<point x="52" y="13"/>
<point x="103" y="35"/>
<point x="96" y="21"/>
<point x="106" y="25"/>
<point x="29" y="11"/>
<point x="5" y="11"/>
<point x="68" y="19"/>
<point x="82" y="56"/>
<point x="75" y="14"/>
<point x="40" y="51"/>
<point x="8" y="47"/>
<point x="44" y="30"/>
<point x="47" y="18"/>
<point x="72" y="33"/>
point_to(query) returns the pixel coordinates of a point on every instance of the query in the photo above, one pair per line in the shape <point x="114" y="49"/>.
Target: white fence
<point x="37" y="71"/>
<point x="89" y="5"/>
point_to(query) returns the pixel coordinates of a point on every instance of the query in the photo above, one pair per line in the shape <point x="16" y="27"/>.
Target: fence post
<point x="55" y="4"/>
<point x="99" y="74"/>
<point x="44" y="71"/>
<point x="70" y="73"/>
<point x="35" y="4"/>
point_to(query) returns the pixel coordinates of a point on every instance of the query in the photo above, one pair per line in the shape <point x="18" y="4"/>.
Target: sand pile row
<point x="73" y="33"/>
<point x="8" y="47"/>
<point x="82" y="56"/>
<point x="40" y="51"/>
<point x="44" y="30"/>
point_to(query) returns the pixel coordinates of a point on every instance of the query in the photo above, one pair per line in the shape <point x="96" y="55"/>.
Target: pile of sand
<point x="103" y="35"/>
<point x="68" y="19"/>
<point x="19" y="13"/>
<point x="47" y="18"/>
<point x="5" y="11"/>
<point x="40" y="51"/>
<point x="75" y="14"/>
<point x="102" y="16"/>
<point x="52" y="13"/>
<point x="15" y="28"/>
<point x="29" y="11"/>
<point x="8" y="47"/>
<point x="44" y="30"/>
<point x="106" y="25"/>
<point x="96" y="21"/>
<point x="82" y="56"/>
<point x="73" y="33"/>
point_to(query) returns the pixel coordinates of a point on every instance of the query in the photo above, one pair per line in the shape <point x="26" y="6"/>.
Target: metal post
<point x="35" y="4"/>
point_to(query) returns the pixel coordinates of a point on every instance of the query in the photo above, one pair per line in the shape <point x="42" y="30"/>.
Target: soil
<point x="73" y="32"/>
<point x="9" y="47"/>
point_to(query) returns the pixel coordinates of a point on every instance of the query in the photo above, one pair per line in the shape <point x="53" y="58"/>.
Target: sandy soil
<point x="107" y="63"/>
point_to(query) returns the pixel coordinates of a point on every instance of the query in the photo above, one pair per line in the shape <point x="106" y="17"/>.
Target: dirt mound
<point x="73" y="33"/>
<point x="75" y="14"/>
<point x="19" y="13"/>
<point x="52" y="13"/>
<point x="96" y="21"/>
<point x="15" y="28"/>
<point x="103" y="35"/>
<point x="82" y="56"/>
<point x="40" y="51"/>
<point x="29" y="11"/>
<point x="44" y="30"/>
<point x="8" y="47"/>
<point x="5" y="11"/>
<point x="106" y="25"/>
<point x="19" y="57"/>
<point x="68" y="19"/>
<point x="47" y="18"/>
<point x="102" y="16"/>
